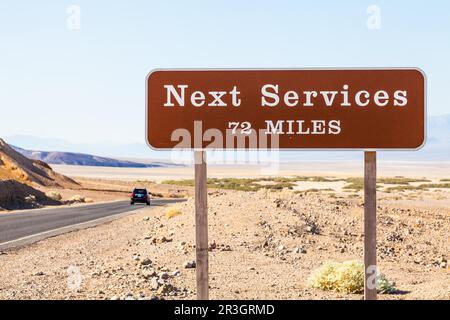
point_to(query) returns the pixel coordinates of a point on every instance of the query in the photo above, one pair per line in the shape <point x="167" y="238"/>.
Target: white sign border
<point x="290" y="69"/>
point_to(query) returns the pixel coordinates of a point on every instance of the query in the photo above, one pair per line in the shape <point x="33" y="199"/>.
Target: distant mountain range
<point x="437" y="148"/>
<point x="15" y="166"/>
<point x="81" y="159"/>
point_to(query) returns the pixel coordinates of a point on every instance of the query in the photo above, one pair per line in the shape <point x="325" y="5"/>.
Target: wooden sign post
<point x="370" y="225"/>
<point x="201" y="225"/>
<point x="286" y="109"/>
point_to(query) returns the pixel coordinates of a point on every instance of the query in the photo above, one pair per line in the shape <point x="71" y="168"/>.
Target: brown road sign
<point x="286" y="109"/>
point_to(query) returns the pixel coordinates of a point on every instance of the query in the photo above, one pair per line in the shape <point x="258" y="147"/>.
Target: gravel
<point x="251" y="235"/>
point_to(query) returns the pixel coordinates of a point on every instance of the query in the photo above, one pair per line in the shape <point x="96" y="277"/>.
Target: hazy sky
<point x="88" y="85"/>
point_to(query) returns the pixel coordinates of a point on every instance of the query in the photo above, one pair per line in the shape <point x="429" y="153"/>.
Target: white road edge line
<point x="63" y="206"/>
<point x="72" y="227"/>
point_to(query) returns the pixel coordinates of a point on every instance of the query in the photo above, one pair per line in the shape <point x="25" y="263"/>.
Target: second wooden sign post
<point x="201" y="225"/>
<point x="370" y="225"/>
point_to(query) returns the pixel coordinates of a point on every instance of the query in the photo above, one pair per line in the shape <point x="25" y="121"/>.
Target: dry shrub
<point x="77" y="198"/>
<point x="345" y="277"/>
<point x="54" y="196"/>
<point x="157" y="195"/>
<point x="177" y="196"/>
<point x="172" y="212"/>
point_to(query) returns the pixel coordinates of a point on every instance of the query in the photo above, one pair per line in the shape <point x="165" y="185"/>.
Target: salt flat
<point x="323" y="168"/>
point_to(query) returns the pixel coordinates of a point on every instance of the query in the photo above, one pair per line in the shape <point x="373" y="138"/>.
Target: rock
<point x="30" y="199"/>
<point x="299" y="250"/>
<point x="146" y="262"/>
<point x="147" y="274"/>
<point x="312" y="228"/>
<point x="115" y="298"/>
<point x="395" y="237"/>
<point x="225" y="248"/>
<point x="54" y="195"/>
<point x="278" y="202"/>
<point x="176" y="273"/>
<point x="165" y="289"/>
<point x="163" y="275"/>
<point x="164" y="239"/>
<point x="40" y="273"/>
<point x="190" y="265"/>
<point x="154" y="283"/>
<point x="146" y="218"/>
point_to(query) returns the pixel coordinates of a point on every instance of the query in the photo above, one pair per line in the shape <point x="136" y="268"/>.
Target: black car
<point x="140" y="195"/>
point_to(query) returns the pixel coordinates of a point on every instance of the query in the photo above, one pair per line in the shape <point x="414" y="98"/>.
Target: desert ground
<point x="267" y="235"/>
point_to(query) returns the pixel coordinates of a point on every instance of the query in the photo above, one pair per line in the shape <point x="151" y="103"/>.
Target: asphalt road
<point x="29" y="226"/>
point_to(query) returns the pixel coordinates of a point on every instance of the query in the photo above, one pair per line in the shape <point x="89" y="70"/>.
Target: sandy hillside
<point x="263" y="245"/>
<point x="17" y="167"/>
<point x="24" y="182"/>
